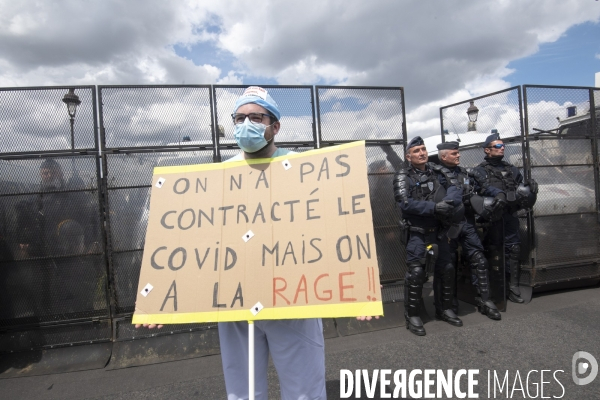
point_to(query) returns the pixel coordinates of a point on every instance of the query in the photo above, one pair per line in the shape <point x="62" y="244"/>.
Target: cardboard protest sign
<point x="281" y="238"/>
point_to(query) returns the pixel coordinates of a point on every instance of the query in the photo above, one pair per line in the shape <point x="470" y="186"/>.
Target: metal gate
<point x="562" y="128"/>
<point x="70" y="252"/>
<point x="557" y="145"/>
<point x="53" y="282"/>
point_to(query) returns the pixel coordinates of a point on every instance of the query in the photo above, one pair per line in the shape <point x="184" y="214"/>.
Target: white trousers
<point x="298" y="351"/>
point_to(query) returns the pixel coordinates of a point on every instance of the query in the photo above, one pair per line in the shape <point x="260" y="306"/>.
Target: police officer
<point x="496" y="175"/>
<point x="428" y="195"/>
<point x="468" y="238"/>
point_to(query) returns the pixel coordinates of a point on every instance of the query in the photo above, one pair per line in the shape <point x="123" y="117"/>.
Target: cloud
<point x="431" y="49"/>
<point x="439" y="52"/>
<point x="93" y="42"/>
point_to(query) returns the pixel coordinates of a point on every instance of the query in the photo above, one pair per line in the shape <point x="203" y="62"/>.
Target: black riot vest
<point x="502" y="178"/>
<point x="464" y="180"/>
<point x="427" y="186"/>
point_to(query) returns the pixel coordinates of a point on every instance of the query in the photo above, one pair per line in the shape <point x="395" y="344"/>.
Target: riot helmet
<point x="525" y="198"/>
<point x="486" y="208"/>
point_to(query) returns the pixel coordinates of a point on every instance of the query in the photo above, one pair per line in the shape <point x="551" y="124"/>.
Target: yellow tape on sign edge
<point x="215" y="166"/>
<point x="300" y="312"/>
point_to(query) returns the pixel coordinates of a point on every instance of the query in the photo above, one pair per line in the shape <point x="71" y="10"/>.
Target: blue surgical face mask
<point x="250" y="136"/>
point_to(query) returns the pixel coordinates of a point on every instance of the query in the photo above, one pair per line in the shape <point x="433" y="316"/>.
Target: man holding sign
<point x="271" y="240"/>
<point x="296" y="345"/>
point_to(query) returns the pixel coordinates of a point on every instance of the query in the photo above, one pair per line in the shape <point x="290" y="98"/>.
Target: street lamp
<point x="72" y="101"/>
<point x="472" y="112"/>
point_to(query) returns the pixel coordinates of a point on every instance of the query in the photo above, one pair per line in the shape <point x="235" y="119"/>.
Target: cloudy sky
<point x="441" y="52"/>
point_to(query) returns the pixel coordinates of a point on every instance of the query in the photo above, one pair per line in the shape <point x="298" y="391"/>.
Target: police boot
<point x="415" y="325"/>
<point x="514" y="293"/>
<point x="488" y="308"/>
<point x="413" y="291"/>
<point x="444" y="310"/>
<point x="479" y="266"/>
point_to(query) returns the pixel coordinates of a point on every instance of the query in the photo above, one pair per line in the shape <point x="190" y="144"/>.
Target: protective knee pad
<point x="449" y="271"/>
<point x="413" y="289"/>
<point x="416" y="274"/>
<point x="479" y="262"/>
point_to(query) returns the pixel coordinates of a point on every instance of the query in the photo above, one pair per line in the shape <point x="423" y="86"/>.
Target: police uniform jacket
<point x="496" y="176"/>
<point x="418" y="209"/>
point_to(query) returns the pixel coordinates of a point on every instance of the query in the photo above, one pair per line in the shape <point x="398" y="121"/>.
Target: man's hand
<point x="533" y="185"/>
<point x="149" y="326"/>
<point x="366" y="318"/>
<point x="444" y="209"/>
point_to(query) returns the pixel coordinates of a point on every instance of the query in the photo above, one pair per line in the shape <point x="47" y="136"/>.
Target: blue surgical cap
<point x="258" y="95"/>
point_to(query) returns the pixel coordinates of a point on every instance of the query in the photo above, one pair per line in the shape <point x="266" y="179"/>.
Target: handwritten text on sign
<point x="292" y="233"/>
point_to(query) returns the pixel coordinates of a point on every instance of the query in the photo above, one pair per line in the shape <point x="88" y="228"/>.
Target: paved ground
<point x="542" y="335"/>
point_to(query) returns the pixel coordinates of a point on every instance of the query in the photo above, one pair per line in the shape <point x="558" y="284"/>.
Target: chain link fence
<point x="558" y="148"/>
<point x="561" y="124"/>
<point x="53" y="281"/>
<point x="74" y="198"/>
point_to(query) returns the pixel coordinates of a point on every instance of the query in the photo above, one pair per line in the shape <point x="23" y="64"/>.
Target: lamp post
<point x="472" y="112"/>
<point x="72" y="101"/>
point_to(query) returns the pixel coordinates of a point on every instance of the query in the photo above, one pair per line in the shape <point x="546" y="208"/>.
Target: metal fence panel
<point x="52" y="257"/>
<point x="563" y="152"/>
<point x="156" y="116"/>
<point x="349" y="113"/>
<point x="38" y="121"/>
<point x="500" y="110"/>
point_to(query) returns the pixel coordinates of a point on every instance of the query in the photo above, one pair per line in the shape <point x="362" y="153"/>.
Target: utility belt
<point x="424" y="231"/>
<point x="406" y="228"/>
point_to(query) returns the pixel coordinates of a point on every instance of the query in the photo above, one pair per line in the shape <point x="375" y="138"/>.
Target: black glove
<point x="444" y="209"/>
<point x="497" y="207"/>
<point x="499" y="201"/>
<point x="533" y="185"/>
